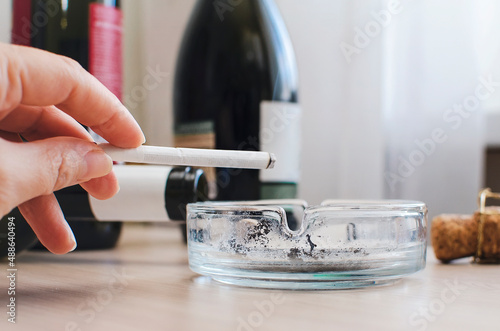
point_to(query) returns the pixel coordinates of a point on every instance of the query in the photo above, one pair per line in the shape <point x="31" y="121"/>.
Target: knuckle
<point x="109" y="124"/>
<point x="75" y="72"/>
<point x="10" y="83"/>
<point x="65" y="167"/>
<point x="71" y="64"/>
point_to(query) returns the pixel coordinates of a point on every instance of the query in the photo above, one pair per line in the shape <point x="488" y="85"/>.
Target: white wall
<point x="429" y="157"/>
<point x="133" y="54"/>
<point x="163" y="26"/>
<point x="342" y="133"/>
<point x="5" y="19"/>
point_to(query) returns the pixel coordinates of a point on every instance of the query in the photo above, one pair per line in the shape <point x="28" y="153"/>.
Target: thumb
<point x="29" y="170"/>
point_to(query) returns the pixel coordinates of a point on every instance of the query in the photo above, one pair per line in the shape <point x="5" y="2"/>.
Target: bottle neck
<point x="184" y="185"/>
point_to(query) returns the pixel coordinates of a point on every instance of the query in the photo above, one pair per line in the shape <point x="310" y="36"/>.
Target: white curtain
<point x="5" y="18"/>
<point x="436" y="83"/>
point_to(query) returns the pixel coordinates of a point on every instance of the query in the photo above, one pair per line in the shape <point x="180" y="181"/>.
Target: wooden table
<point x="145" y="284"/>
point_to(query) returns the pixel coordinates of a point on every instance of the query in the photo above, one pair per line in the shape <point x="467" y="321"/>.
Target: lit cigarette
<point x="191" y="157"/>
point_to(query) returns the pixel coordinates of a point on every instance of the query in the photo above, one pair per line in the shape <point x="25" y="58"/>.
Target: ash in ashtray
<point x="302" y="254"/>
<point x="237" y="248"/>
<point x="310" y="267"/>
<point x="259" y="233"/>
<point x="264" y="240"/>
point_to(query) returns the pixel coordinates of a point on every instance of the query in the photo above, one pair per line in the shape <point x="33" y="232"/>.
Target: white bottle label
<point x="141" y="196"/>
<point x="280" y="128"/>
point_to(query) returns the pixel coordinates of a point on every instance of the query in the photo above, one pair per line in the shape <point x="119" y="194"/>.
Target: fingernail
<point x="71" y="235"/>
<point x="97" y="164"/>
<point x="73" y="239"/>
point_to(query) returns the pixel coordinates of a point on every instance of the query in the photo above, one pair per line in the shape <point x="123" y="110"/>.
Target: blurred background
<point x="400" y="99"/>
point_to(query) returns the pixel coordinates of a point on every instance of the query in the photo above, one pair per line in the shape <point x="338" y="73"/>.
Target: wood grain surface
<point x="146" y="284"/>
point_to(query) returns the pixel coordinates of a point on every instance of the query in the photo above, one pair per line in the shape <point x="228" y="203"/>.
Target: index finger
<point x="33" y="77"/>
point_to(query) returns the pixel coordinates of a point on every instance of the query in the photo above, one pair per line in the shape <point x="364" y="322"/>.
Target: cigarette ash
<point x="259" y="233"/>
<point x="302" y="254"/>
<point x="198" y="235"/>
<point x="259" y="239"/>
<point x="237" y="248"/>
<point x="256" y="234"/>
<point x="309" y="259"/>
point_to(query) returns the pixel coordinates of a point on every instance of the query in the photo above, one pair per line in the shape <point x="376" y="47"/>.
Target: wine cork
<point x="455" y="236"/>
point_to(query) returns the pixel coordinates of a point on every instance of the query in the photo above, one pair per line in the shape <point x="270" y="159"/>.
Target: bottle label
<point x="280" y="128"/>
<point x="198" y="135"/>
<point x="105" y="46"/>
<point x="141" y="196"/>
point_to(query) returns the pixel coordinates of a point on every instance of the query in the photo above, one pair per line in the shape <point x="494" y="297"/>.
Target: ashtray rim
<point x="332" y="205"/>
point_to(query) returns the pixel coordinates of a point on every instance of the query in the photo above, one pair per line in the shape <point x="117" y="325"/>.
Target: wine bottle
<point x="147" y="193"/>
<point x="236" y="88"/>
<point x="90" y="32"/>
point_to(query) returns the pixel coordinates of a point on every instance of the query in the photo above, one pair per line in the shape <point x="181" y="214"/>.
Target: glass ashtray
<point x="285" y="244"/>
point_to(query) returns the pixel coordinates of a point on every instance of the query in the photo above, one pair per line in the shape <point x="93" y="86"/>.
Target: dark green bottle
<point x="236" y="88"/>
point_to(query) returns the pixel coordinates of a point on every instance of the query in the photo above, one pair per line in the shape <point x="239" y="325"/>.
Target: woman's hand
<point x="43" y="98"/>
